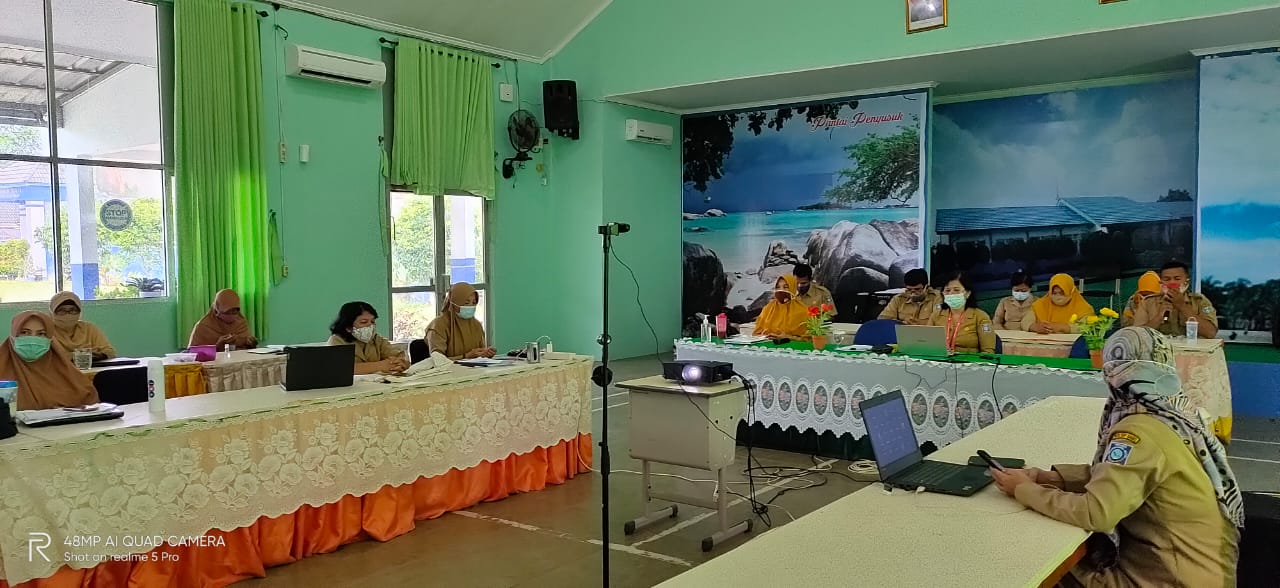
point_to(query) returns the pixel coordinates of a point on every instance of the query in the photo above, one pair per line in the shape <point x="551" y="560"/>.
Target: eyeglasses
<point x="67" y="312"/>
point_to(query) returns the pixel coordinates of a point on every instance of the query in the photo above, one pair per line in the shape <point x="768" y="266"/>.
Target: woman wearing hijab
<point x="1159" y="496"/>
<point x="44" y="372"/>
<point x="72" y="333"/>
<point x="224" y="324"/>
<point x="456" y="333"/>
<point x="357" y="325"/>
<point x="1148" y="286"/>
<point x="1054" y="312"/>
<point x="784" y="316"/>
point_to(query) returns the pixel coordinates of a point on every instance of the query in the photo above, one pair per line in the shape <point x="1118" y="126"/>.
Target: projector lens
<point x="691" y="373"/>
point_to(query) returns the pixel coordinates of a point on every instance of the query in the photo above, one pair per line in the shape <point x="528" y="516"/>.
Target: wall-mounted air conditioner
<point x="647" y="132"/>
<point x="330" y="66"/>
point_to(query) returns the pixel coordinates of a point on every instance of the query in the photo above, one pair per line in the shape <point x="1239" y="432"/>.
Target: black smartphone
<point x="990" y="461"/>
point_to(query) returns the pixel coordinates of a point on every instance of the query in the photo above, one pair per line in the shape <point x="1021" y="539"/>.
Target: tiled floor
<point x="551" y="538"/>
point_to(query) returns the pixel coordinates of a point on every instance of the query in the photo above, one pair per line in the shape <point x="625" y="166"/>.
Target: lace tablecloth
<point x="821" y="391"/>
<point x="243" y="370"/>
<point x="96" y="491"/>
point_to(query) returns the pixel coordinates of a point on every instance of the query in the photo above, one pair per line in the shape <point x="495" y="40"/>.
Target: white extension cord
<point x="864" y="470"/>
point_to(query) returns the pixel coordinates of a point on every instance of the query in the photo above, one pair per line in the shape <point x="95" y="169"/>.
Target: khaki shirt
<point x="374" y="351"/>
<point x="817" y="296"/>
<point x="1012" y="315"/>
<point x="1153" y="491"/>
<point x="975" y="334"/>
<point x="901" y="307"/>
<point x="1151" y="310"/>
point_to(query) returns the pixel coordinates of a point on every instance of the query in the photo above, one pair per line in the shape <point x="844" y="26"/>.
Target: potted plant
<point x="816" y="325"/>
<point x="147" y="287"/>
<point x="1094" y="329"/>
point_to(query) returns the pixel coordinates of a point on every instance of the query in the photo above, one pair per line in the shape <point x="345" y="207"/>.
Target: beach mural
<point x="1240" y="193"/>
<point x="836" y="184"/>
<point x="1099" y="183"/>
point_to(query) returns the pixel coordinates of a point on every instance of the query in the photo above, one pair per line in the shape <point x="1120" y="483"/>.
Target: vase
<point x="819" y="342"/>
<point x="1095" y="356"/>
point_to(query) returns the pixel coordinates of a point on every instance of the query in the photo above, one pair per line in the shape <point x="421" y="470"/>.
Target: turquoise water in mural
<point x="742" y="239"/>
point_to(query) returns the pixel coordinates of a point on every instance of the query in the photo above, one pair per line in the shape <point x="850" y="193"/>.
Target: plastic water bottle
<point x="705" y="335"/>
<point x="722" y="325"/>
<point x="155" y="387"/>
<point x="1193" y="329"/>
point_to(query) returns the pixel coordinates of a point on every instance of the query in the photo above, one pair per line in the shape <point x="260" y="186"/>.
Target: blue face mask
<point x="31" y="348"/>
<point x="467" y="312"/>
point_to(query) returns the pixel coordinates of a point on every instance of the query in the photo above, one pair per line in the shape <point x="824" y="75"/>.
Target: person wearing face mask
<point x="223" y="325"/>
<point x="456" y="333"/>
<point x="1168" y="312"/>
<point x="357" y="325"/>
<point x="969" y="329"/>
<point x="809" y="293"/>
<point x="784" y="316"/>
<point x="1148" y="286"/>
<point x="1160" y="496"/>
<point x="917" y="303"/>
<point x="72" y="333"/>
<point x="44" y="372"/>
<point x="1014" y="312"/>
<point x="1053" y="312"/>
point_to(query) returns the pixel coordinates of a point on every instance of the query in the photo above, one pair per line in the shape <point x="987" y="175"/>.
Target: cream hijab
<point x="460" y="335"/>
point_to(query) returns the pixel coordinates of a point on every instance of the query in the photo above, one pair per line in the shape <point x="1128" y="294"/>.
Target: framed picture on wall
<point x="926" y="15"/>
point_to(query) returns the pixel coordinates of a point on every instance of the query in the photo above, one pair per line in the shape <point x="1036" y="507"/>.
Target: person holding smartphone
<point x="1160" y="497"/>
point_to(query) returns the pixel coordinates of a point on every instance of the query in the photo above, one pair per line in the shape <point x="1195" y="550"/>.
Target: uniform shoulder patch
<point x="1125" y="436"/>
<point x="986" y="327"/>
<point x="1118" y="453"/>
<point x="1207" y="310"/>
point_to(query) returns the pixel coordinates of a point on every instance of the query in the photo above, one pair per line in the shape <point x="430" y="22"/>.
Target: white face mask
<point x="364" y="334"/>
<point x="1020" y="295"/>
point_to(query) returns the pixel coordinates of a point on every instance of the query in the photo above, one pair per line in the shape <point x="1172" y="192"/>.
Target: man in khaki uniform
<point x="811" y="294"/>
<point x="1168" y="312"/>
<point x="917" y="303"/>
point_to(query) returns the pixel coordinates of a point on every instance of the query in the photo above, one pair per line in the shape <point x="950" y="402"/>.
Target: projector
<point x="697" y="372"/>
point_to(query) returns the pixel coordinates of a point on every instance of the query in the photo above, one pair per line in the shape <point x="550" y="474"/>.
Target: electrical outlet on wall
<point x="506" y="92"/>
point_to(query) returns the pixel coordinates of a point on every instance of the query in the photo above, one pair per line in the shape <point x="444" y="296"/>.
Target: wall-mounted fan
<point x="524" y="132"/>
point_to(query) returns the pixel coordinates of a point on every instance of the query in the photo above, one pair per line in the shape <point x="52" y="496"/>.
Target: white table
<point x="873" y="538"/>
<point x="691" y="426"/>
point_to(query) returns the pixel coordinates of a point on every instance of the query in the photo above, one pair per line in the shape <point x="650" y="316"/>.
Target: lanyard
<point x="953" y="333"/>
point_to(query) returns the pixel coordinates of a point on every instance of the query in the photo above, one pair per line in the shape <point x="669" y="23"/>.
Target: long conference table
<point x="878" y="538"/>
<point x="224" y="485"/>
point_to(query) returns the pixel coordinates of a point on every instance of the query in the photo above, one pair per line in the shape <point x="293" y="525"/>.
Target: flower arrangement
<point x="1094" y="327"/>
<point x="818" y="315"/>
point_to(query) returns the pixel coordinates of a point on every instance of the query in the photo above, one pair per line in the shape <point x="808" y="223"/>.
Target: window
<point x="421" y="227"/>
<point x="83" y="184"/>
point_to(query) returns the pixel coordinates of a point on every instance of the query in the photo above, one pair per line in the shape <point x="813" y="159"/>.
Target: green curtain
<point x="443" y="120"/>
<point x="221" y="189"/>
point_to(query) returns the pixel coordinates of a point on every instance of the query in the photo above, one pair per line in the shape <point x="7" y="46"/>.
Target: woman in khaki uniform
<point x="1160" y="496"/>
<point x="356" y="325"/>
<point x="968" y="327"/>
<point x="1014" y="312"/>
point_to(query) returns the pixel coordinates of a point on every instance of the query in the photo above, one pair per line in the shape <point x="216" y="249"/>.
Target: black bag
<point x="7" y="426"/>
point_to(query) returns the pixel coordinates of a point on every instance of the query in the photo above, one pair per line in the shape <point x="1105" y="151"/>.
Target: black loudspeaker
<point x="560" y="107"/>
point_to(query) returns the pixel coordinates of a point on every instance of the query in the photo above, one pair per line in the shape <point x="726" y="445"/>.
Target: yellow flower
<point x="1073" y="318"/>
<point x="1111" y="313"/>
<point x="1092" y="319"/>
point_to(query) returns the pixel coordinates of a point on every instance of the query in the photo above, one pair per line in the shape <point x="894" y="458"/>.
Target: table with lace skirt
<point x="244" y="369"/>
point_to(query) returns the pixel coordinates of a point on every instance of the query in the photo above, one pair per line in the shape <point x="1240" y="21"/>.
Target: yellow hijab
<point x="784" y="319"/>
<point x="1048" y="312"/>
<point x="1148" y="284"/>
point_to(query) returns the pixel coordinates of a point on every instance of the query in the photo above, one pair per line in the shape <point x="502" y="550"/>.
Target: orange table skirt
<point x="382" y="515"/>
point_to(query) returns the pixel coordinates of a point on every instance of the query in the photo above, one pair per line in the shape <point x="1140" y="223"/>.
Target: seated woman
<point x="456" y="333"/>
<point x="968" y="327"/>
<point x="45" y="375"/>
<point x="1159" y="496"/>
<point x="224" y="325"/>
<point x="1014" y="312"/>
<point x="72" y="333"/>
<point x="356" y="325"/>
<point x="784" y="316"/>
<point x="1053" y="312"/>
<point x="1148" y="286"/>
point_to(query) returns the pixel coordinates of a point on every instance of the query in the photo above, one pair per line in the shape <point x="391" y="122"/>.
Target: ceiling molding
<point x="859" y="93"/>
<point x="389" y="27"/>
<point x="642" y="104"/>
<point x="1243" y="48"/>
<point x="576" y="31"/>
<point x="1067" y="86"/>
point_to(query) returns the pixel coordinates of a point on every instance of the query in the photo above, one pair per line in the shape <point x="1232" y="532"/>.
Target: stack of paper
<point x="745" y="339"/>
<point x="34" y="417"/>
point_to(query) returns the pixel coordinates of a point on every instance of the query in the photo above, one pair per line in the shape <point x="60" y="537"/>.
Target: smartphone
<point x="990" y="461"/>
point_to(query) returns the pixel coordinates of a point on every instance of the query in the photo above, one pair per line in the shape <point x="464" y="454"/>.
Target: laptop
<point x="315" y="367"/>
<point x="922" y="340"/>
<point x="898" y="452"/>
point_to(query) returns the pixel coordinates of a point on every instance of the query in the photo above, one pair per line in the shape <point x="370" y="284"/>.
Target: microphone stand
<point x="602" y="377"/>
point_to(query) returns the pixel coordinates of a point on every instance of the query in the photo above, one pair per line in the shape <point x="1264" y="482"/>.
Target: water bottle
<point x="1193" y="329"/>
<point x="155" y="387"/>
<point x="705" y="335"/>
<point x="722" y="325"/>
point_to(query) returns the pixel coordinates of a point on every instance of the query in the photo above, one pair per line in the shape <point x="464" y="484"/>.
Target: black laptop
<point x="898" y="453"/>
<point x="315" y="367"/>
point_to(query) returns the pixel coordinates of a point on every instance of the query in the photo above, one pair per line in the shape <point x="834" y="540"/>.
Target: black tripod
<point x="602" y="377"/>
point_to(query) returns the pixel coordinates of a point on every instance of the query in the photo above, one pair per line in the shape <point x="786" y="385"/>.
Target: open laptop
<point x="922" y="340"/>
<point x="314" y="367"/>
<point x="898" y="452"/>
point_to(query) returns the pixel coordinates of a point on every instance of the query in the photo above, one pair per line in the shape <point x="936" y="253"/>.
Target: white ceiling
<point x="1147" y="49"/>
<point x="532" y="30"/>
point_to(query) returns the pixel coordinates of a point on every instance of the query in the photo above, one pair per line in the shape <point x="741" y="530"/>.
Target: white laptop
<point x="922" y="340"/>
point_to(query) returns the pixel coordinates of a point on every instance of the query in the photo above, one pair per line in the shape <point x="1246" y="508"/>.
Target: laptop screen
<point x="892" y="438"/>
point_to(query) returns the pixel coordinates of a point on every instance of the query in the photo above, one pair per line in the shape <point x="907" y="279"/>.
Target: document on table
<point x="268" y="350"/>
<point x="486" y="362"/>
<point x="745" y="339"/>
<point x="53" y="415"/>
